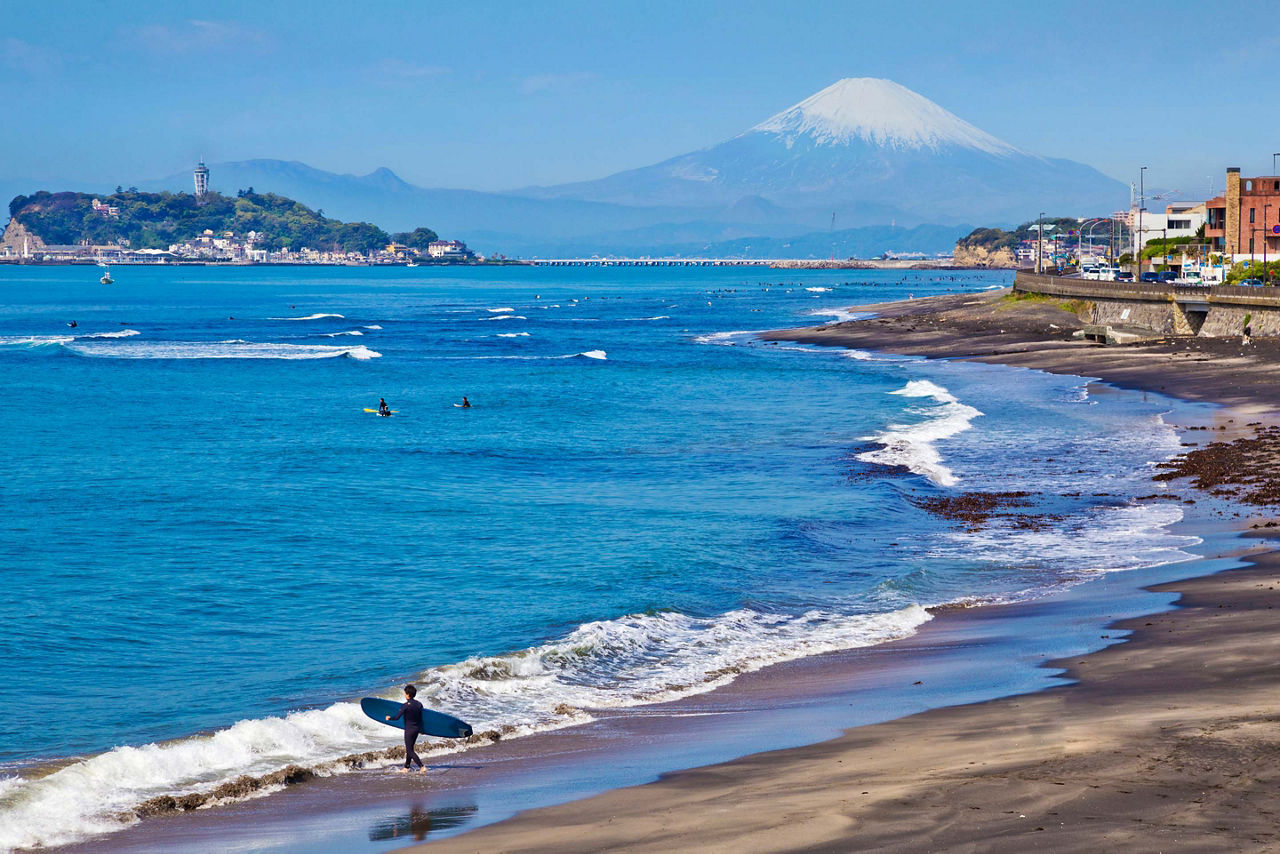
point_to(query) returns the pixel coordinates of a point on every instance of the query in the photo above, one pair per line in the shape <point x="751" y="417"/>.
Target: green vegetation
<point x="1071" y="306"/>
<point x="157" y="220"/>
<point x="1162" y="246"/>
<point x="1254" y="270"/>
<point x="418" y="239"/>
<point x="995" y="239"/>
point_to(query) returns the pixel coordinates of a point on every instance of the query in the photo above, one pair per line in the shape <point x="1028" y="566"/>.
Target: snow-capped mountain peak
<point x="881" y="113"/>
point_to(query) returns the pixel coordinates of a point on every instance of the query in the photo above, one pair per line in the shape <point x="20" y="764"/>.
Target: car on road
<point x="1166" y="277"/>
<point x="1124" y="276"/>
<point x="1149" y="276"/>
<point x="1251" y="283"/>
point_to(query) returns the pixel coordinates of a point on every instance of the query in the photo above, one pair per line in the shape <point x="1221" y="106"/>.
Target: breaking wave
<point x="309" y="317"/>
<point x="629" y="661"/>
<point x="234" y="349"/>
<point x="913" y="446"/>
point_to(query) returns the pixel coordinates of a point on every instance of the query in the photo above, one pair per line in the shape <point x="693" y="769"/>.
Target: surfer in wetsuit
<point x="466" y="404"/>
<point x="383" y="409"/>
<point x="411" y="711"/>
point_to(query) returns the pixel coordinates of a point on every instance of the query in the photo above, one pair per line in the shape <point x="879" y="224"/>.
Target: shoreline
<point x="803" y="696"/>
<point x="964" y="655"/>
<point x="1162" y="737"/>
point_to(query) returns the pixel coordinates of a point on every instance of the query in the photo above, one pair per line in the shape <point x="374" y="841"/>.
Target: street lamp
<point x="1265" y="277"/>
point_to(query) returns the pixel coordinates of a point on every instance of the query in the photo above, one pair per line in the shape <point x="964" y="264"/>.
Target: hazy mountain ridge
<point x="869" y="151"/>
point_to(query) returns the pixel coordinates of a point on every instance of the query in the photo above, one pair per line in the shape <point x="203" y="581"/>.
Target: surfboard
<point x="433" y="723"/>
<point x="367" y="409"/>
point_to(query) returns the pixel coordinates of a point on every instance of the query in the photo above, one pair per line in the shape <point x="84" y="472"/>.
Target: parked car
<point x="1149" y="276"/>
<point x="1251" y="283"/>
<point x="1124" y="276"/>
<point x="1191" y="278"/>
<point x="1166" y="277"/>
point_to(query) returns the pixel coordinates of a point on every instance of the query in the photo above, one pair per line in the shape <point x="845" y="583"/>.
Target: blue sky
<point x="500" y="95"/>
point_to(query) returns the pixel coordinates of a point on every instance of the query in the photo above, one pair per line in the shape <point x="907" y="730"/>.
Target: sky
<point x="495" y="96"/>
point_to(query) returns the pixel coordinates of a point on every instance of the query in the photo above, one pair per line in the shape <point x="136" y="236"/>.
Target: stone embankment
<point x="1166" y="309"/>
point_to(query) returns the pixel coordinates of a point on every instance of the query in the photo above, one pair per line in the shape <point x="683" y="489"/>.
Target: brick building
<point x="1245" y="220"/>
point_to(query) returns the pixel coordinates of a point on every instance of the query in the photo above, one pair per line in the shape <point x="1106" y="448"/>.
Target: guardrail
<point x="1058" y="286"/>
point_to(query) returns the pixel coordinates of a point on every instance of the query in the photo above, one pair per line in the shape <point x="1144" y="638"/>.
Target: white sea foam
<point x="506" y="317"/>
<point x="725" y="339"/>
<point x="914" y="445"/>
<point x="633" y="660"/>
<point x="119" y="333"/>
<point x="505" y="310"/>
<point x="338" y="334"/>
<point x="309" y="317"/>
<point x="373" y="326"/>
<point x="513" y="335"/>
<point x="818" y="290"/>
<point x="593" y="354"/>
<point x="658" y="317"/>
<point x="841" y="315"/>
<point x="34" y="340"/>
<point x="1104" y="539"/>
<point x="234" y="349"/>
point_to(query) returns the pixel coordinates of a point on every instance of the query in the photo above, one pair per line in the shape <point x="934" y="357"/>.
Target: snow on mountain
<point x="869" y="151"/>
<point x="881" y="113"/>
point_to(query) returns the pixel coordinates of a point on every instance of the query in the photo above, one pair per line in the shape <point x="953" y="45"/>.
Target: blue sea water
<point x="212" y="548"/>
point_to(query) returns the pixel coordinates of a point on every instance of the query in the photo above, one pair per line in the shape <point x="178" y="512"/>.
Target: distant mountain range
<point x="826" y="175"/>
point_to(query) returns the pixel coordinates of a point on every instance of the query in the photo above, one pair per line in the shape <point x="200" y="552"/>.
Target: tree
<point x="419" y="238"/>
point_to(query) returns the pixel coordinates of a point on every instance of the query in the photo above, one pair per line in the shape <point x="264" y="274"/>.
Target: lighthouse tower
<point x="202" y="181"/>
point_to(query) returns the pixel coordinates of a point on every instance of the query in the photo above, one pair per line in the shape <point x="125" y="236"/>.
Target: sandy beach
<point x="1167" y="742"/>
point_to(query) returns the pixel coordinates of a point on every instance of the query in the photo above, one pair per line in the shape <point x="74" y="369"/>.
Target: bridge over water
<point x="652" y="262"/>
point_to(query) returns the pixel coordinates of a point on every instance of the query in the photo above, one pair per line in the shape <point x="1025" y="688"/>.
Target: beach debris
<point x="1247" y="469"/>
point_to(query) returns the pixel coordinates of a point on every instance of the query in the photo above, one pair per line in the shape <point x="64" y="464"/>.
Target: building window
<point x="1252" y="211"/>
<point x="1179" y="223"/>
<point x="1250" y="245"/>
<point x="1248" y="186"/>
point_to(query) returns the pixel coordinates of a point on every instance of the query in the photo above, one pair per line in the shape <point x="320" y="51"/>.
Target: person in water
<point x="466" y="404"/>
<point x="383" y="409"/>
<point x="411" y="712"/>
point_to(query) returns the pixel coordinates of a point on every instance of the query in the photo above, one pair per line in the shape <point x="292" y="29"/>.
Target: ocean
<point x="210" y="548"/>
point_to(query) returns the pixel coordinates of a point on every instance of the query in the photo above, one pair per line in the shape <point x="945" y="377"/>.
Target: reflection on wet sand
<point x="420" y="822"/>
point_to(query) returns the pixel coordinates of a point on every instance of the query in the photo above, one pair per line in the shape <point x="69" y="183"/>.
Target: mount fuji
<point x="869" y="151"/>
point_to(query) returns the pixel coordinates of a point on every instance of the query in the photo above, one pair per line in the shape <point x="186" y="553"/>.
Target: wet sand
<point x="1167" y="742"/>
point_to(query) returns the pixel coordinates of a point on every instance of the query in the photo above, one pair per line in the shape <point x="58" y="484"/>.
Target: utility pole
<point x="1040" y="243"/>
<point x="1142" y="206"/>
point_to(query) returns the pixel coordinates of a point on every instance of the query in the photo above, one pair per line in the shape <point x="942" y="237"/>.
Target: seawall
<point x="1167" y="309"/>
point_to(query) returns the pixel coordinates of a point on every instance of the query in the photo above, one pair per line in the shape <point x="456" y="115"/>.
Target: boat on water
<point x="106" y="276"/>
<point x="412" y="264"/>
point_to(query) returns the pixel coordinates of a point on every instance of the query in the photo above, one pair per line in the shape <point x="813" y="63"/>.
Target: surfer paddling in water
<point x="411" y="712"/>
<point x="383" y="409"/>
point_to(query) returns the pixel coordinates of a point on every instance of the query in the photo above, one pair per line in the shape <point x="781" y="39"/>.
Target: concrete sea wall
<point x="1221" y="310"/>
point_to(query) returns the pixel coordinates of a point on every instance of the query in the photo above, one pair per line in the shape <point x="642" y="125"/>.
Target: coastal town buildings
<point x="448" y="250"/>
<point x="1244" y="222"/>
<point x="1177" y="220"/>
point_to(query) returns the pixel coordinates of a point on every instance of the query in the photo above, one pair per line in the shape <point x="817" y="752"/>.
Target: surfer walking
<point x="383" y="409"/>
<point x="411" y="712"/>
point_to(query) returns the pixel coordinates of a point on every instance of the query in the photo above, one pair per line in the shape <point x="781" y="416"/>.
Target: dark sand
<point x="1169" y="742"/>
